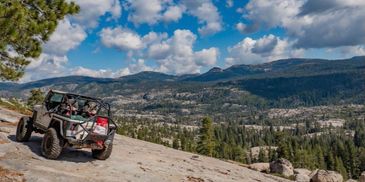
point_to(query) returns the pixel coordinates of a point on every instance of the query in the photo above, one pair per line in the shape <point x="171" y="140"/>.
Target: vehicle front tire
<point x="24" y="129"/>
<point x="51" y="144"/>
<point x="104" y="153"/>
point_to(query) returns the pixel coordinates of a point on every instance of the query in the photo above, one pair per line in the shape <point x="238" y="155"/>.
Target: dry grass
<point x="16" y="107"/>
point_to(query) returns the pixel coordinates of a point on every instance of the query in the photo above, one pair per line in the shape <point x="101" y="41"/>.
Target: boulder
<point x="262" y="167"/>
<point x="302" y="178"/>
<point x="327" y="176"/>
<point x="362" y="177"/>
<point x="302" y="175"/>
<point x="282" y="166"/>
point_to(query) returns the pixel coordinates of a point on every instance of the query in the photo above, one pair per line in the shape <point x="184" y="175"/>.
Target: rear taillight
<point x="102" y="121"/>
<point x="101" y="125"/>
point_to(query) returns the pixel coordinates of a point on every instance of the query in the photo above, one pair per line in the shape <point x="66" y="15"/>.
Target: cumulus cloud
<point x="69" y="34"/>
<point x="206" y="57"/>
<point x="311" y="23"/>
<point x="82" y="71"/>
<point x="66" y="37"/>
<point x="52" y="61"/>
<point x="173" y="13"/>
<point x="207" y="13"/>
<point x="265" y="49"/>
<point x="90" y="11"/>
<point x="176" y="54"/>
<point x="155" y="11"/>
<point x="347" y="28"/>
<point x="173" y="54"/>
<point x="142" y="12"/>
<point x="123" y="39"/>
<point x="132" y="68"/>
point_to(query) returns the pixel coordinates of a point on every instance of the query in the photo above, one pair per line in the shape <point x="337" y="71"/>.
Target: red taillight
<point x="102" y="121"/>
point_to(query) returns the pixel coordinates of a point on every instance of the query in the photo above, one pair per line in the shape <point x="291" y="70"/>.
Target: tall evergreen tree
<point x="339" y="167"/>
<point x="25" y="25"/>
<point x="36" y="97"/>
<point x="206" y="143"/>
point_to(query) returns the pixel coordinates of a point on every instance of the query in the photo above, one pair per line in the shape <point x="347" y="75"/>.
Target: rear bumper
<point x="92" y="140"/>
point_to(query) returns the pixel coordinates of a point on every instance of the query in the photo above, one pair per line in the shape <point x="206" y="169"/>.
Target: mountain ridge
<point x="214" y="74"/>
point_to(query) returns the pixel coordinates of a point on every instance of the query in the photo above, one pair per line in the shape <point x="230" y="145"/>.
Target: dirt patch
<point x="7" y="175"/>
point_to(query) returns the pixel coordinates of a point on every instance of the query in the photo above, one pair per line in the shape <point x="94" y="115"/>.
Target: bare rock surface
<point x="302" y="175"/>
<point x="326" y="176"/>
<point x="131" y="160"/>
<point x="7" y="115"/>
<point x="262" y="167"/>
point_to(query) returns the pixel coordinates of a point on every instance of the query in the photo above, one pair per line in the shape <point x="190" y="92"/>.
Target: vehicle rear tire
<point x="51" y="144"/>
<point x="24" y="129"/>
<point x="104" y="153"/>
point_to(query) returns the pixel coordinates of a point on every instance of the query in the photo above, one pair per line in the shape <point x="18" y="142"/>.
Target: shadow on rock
<point x="68" y="154"/>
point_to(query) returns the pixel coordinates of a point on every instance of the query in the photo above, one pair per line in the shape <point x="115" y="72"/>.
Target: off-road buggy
<point x="70" y="120"/>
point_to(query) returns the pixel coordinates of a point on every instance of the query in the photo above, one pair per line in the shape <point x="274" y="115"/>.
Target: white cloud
<point x="206" y="57"/>
<point x="92" y="73"/>
<point x="52" y="61"/>
<point x="142" y="12"/>
<point x="69" y="34"/>
<point x="135" y="67"/>
<point x="173" y="13"/>
<point x="123" y="39"/>
<point x="159" y="51"/>
<point x="46" y="66"/>
<point x="265" y="49"/>
<point x="311" y="23"/>
<point x="66" y="37"/>
<point x="156" y="11"/>
<point x="207" y="13"/>
<point x="153" y="12"/>
<point x="90" y="11"/>
<point x="176" y="54"/>
<point x="138" y="66"/>
<point x="153" y="37"/>
<point x="334" y="29"/>
<point x="173" y="54"/>
<point x="348" y="51"/>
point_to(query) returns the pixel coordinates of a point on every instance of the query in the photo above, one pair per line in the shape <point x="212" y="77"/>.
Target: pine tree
<point x="36" y="97"/>
<point x="283" y="146"/>
<point x="262" y="156"/>
<point x="339" y="167"/>
<point x="206" y="143"/>
<point x="330" y="161"/>
<point x="175" y="143"/>
<point x="25" y="25"/>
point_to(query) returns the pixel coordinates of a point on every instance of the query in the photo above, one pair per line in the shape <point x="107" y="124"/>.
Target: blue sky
<point x="112" y="38"/>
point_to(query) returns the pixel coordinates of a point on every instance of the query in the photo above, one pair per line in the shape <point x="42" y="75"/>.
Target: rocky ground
<point x="131" y="160"/>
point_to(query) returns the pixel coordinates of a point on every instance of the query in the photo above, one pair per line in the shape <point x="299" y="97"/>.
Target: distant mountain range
<point x="280" y="68"/>
<point x="283" y="83"/>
